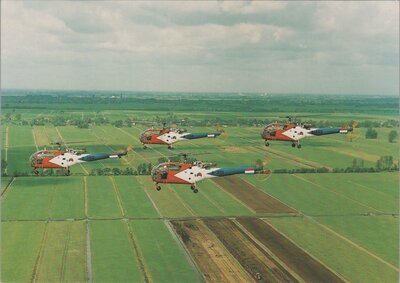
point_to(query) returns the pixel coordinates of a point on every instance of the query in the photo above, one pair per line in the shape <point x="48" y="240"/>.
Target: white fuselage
<point x="298" y="133"/>
<point x="196" y="174"/>
<point x="67" y="159"/>
<point x="172" y="137"/>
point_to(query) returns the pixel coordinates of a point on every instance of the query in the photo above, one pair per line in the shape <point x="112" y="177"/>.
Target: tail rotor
<point x="262" y="173"/>
<point x="224" y="134"/>
<point x="126" y="159"/>
<point x="353" y="135"/>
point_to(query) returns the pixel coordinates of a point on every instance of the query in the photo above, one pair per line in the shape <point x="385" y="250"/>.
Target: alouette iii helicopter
<point x="293" y="131"/>
<point x="63" y="159"/>
<point x="193" y="172"/>
<point x="169" y="136"/>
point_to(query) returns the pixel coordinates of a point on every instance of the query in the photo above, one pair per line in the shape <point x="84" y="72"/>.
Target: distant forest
<point x="226" y="102"/>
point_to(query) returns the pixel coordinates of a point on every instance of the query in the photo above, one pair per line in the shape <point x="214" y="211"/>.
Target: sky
<point x="203" y="46"/>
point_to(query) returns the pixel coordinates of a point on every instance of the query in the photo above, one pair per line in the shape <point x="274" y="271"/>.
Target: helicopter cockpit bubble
<point x="146" y="135"/>
<point x="160" y="171"/>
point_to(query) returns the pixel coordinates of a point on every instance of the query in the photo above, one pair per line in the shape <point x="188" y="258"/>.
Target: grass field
<point x="85" y="228"/>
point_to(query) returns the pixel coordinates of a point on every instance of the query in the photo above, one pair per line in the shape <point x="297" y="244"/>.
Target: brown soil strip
<point x="256" y="261"/>
<point x="251" y="196"/>
<point x="308" y="268"/>
<point x="213" y="260"/>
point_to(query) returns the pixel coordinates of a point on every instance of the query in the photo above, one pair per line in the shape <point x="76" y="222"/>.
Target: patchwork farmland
<point x="289" y="227"/>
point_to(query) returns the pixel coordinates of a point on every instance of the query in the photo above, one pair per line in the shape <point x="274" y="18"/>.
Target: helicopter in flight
<point x="293" y="131"/>
<point x="190" y="173"/>
<point x="64" y="159"/>
<point x="169" y="136"/>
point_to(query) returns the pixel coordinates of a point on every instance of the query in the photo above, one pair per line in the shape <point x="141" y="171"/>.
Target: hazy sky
<point x="300" y="47"/>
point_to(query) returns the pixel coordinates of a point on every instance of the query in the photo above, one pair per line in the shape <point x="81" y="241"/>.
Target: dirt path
<point x="214" y="261"/>
<point x="251" y="196"/>
<point x="256" y="261"/>
<point x="306" y="266"/>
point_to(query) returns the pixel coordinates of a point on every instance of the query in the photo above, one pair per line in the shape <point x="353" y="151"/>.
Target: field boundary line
<point x="6" y="148"/>
<point x="89" y="269"/>
<point x="51" y="200"/>
<point x="335" y="192"/>
<point x="65" y="252"/>
<point x="100" y="139"/>
<point x="34" y="139"/>
<point x="221" y="209"/>
<point x="139" y="255"/>
<point x="352" y="243"/>
<point x="187" y="254"/>
<point x="85" y="196"/>
<point x="225" y="249"/>
<point x="62" y="139"/>
<point x="142" y="187"/>
<point x="287" y="159"/>
<point x="371" y="189"/>
<point x="3" y="193"/>
<point x="235" y="198"/>
<point x="286" y="156"/>
<point x="271" y="196"/>
<point x="181" y="201"/>
<point x="35" y="271"/>
<point x="132" y="136"/>
<point x="47" y="134"/>
<point x="268" y="251"/>
<point x="305" y="251"/>
<point x="108" y="145"/>
<point x="117" y="196"/>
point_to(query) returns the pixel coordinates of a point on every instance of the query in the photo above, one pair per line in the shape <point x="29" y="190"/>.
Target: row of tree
<point x="373" y="134"/>
<point x="384" y="164"/>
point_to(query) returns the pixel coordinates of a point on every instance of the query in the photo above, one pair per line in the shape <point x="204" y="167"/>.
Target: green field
<point x="85" y="228"/>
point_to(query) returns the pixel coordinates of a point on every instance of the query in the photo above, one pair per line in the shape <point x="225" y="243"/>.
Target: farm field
<point x="293" y="227"/>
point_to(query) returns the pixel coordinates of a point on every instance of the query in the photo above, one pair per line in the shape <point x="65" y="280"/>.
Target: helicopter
<point x="172" y="172"/>
<point x="293" y="131"/>
<point x="169" y="136"/>
<point x="63" y="159"/>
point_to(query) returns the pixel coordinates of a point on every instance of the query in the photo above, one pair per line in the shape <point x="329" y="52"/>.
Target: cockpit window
<point x="174" y="167"/>
<point x="150" y="132"/>
<point x="271" y="129"/>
